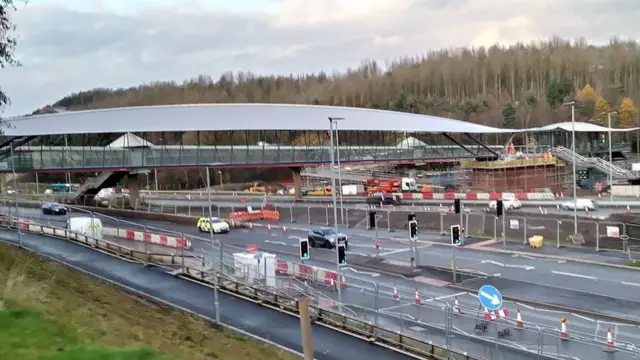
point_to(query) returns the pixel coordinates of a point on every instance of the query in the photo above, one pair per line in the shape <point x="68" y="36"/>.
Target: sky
<point x="68" y="46"/>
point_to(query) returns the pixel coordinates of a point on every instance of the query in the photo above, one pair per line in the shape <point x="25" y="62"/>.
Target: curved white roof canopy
<point x="226" y="117"/>
<point x="579" y="127"/>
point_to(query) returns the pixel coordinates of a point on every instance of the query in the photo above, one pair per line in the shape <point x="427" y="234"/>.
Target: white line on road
<point x="394" y="252"/>
<point x="583" y="317"/>
<point x="574" y="275"/>
<point x="526" y="306"/>
<point x="276" y="242"/>
<point x="630" y="283"/>
<point x="497" y="275"/>
<point x="508" y="265"/>
<point x="445" y="297"/>
<point x="373" y="274"/>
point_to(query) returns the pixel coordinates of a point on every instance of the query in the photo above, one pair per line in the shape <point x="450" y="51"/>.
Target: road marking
<point x="496" y="275"/>
<point x="445" y="297"/>
<point x="562" y="261"/>
<point x="373" y="274"/>
<point x="526" y="306"/>
<point x="416" y="328"/>
<point x="276" y="242"/>
<point x="574" y="275"/>
<point x="394" y="252"/>
<point x="583" y="317"/>
<point x="630" y="283"/>
<point x="508" y="265"/>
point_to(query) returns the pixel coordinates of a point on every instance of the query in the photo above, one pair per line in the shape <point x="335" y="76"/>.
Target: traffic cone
<point x="456" y="306"/>
<point x="519" y="322"/>
<point x="488" y="316"/>
<point x="417" y="298"/>
<point x="269" y="227"/>
<point x="563" y="329"/>
<point x="395" y="296"/>
<point x="284" y="229"/>
<point x="250" y="226"/>
<point x="610" y="344"/>
<point x="332" y="283"/>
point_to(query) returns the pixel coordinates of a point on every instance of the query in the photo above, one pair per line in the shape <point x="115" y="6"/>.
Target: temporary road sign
<point x="490" y="297"/>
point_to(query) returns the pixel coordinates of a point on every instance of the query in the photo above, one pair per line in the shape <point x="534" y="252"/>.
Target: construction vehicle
<point x="322" y="191"/>
<point x="388" y="186"/>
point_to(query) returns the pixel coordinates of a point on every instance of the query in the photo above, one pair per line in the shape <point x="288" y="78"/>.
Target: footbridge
<point x="231" y="135"/>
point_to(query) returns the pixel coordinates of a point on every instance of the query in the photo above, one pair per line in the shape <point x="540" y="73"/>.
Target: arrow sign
<point x="490" y="297"/>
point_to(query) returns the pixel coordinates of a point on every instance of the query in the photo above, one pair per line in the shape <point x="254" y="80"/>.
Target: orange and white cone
<point x="332" y="283"/>
<point x="284" y="229"/>
<point x="456" y="306"/>
<point x="417" y="298"/>
<point x="519" y="322"/>
<point x="610" y="344"/>
<point x="269" y="227"/>
<point x="395" y="296"/>
<point x="563" y="329"/>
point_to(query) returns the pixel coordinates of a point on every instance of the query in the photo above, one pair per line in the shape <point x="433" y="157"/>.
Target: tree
<point x="7" y="42"/>
<point x="558" y="90"/>
<point x="601" y="108"/>
<point x="586" y="102"/>
<point x="508" y="115"/>
<point x="627" y="113"/>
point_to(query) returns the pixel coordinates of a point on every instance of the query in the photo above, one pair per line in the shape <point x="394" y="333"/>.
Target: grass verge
<point x="48" y="312"/>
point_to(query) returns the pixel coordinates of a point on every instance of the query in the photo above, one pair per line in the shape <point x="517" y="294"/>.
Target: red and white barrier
<point x="151" y="238"/>
<point x="477" y="196"/>
<point x="312" y="273"/>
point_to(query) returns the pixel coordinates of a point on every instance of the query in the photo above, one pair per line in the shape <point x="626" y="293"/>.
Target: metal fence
<point x="437" y="325"/>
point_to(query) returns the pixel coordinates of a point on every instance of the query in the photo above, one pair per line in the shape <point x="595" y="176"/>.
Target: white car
<point x="218" y="225"/>
<point x="581" y="204"/>
<point x="507" y="203"/>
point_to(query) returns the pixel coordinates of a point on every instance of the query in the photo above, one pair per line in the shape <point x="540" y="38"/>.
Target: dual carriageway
<point x="544" y="288"/>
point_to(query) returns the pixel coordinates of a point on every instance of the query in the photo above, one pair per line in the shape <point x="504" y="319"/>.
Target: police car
<point x="218" y="225"/>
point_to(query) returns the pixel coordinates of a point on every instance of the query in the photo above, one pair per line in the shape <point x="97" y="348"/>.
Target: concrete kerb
<point x="184" y="219"/>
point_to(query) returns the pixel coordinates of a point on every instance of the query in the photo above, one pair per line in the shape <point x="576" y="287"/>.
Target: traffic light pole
<point x="453" y="264"/>
<point x="504" y="233"/>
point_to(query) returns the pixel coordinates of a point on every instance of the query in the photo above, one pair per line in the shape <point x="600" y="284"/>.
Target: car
<point x="581" y="204"/>
<point x="384" y="199"/>
<point x="54" y="209"/>
<point x="218" y="225"/>
<point x="508" y="203"/>
<point x="326" y="237"/>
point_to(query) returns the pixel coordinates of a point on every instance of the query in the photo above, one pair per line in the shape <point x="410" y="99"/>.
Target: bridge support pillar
<point x="297" y="182"/>
<point x="134" y="190"/>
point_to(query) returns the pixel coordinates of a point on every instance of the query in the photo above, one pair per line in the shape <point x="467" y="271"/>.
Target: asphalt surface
<point x="555" y="226"/>
<point x="276" y="327"/>
<point x="269" y="324"/>
<point x="514" y="276"/>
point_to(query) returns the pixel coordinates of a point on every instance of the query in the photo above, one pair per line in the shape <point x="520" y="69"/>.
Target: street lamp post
<point x="217" y="274"/>
<point x="610" y="156"/>
<point x="332" y="120"/>
<point x="15" y="195"/>
<point x="573" y="161"/>
<point x="339" y="176"/>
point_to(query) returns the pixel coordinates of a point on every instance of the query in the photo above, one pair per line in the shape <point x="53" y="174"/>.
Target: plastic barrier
<point x="240" y="216"/>
<point x="151" y="238"/>
<point x="316" y="274"/>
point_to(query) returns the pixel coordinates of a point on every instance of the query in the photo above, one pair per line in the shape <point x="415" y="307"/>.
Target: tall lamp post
<point x="573" y="162"/>
<point x="332" y="121"/>
<point x="339" y="176"/>
<point x="610" y="156"/>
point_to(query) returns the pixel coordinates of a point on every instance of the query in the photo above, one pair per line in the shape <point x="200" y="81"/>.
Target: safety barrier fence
<point x="518" y="227"/>
<point x="403" y="318"/>
<point x="423" y="323"/>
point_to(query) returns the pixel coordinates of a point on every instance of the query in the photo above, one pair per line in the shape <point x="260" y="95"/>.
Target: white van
<point x="87" y="226"/>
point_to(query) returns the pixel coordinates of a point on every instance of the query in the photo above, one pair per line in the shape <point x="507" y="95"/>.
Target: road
<point x="514" y="276"/>
<point x="269" y="324"/>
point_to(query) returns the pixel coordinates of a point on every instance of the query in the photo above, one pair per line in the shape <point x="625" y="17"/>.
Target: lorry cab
<point x="409" y="185"/>
<point x="87" y="226"/>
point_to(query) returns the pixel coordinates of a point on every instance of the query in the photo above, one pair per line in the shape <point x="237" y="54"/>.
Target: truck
<point x="352" y="189"/>
<point x="387" y="186"/>
<point x="85" y="225"/>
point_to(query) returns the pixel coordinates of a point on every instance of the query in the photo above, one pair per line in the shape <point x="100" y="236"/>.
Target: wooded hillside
<point x="517" y="86"/>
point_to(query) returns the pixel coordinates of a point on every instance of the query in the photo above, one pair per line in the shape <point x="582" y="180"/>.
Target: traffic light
<point x="456" y="240"/>
<point x="304" y="249"/>
<point x="372" y="219"/>
<point x="499" y="207"/>
<point x="342" y="255"/>
<point x="456" y="205"/>
<point x="413" y="230"/>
